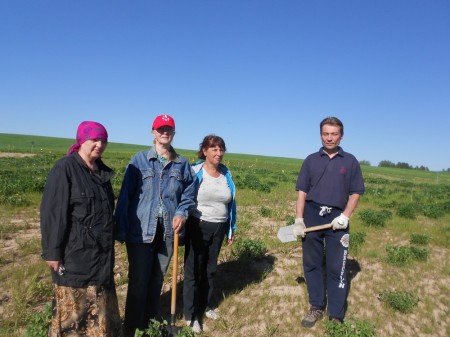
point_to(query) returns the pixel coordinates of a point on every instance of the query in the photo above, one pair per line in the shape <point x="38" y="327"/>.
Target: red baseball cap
<point x="163" y="120"/>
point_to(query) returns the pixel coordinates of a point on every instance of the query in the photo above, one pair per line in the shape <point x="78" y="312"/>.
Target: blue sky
<point x="261" y="74"/>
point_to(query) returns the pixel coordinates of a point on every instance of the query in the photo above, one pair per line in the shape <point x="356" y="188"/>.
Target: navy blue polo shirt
<point x="329" y="181"/>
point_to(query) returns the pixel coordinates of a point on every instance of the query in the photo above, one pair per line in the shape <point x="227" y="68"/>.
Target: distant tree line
<point x="387" y="163"/>
<point x="364" y="163"/>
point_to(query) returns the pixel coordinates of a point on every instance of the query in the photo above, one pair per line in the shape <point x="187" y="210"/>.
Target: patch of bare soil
<point x="15" y="155"/>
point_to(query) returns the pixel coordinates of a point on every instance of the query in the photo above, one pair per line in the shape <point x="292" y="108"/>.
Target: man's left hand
<point x="340" y="222"/>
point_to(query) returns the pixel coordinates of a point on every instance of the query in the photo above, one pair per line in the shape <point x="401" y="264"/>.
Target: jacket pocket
<point x="148" y="176"/>
<point x="83" y="204"/>
<point x="176" y="183"/>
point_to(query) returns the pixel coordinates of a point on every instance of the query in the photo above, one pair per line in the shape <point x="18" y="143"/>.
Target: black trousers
<point x="203" y="243"/>
<point x="148" y="264"/>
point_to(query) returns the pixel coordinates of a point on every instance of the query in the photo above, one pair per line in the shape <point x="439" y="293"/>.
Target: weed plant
<point x="39" y="322"/>
<point x="435" y="211"/>
<point x="398" y="255"/>
<point x="350" y="328"/>
<point x="403" y="255"/>
<point x="408" y="211"/>
<point x="252" y="182"/>
<point x="290" y="220"/>
<point x="248" y="249"/>
<point x="419" y="239"/>
<point x="161" y="329"/>
<point x="265" y="212"/>
<point x="420" y="254"/>
<point x="374" y="218"/>
<point x="402" y="301"/>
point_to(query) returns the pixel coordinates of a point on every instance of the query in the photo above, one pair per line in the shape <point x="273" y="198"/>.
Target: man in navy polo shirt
<point x="329" y="186"/>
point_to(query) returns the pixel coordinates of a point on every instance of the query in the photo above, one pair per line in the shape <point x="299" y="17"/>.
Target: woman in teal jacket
<point x="213" y="218"/>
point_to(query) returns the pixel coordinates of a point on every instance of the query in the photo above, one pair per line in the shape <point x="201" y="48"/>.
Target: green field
<point x="399" y="248"/>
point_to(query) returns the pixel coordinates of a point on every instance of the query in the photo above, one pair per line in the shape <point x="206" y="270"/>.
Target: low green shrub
<point x="420" y="254"/>
<point x="419" y="239"/>
<point x="403" y="255"/>
<point x="408" y="211"/>
<point x="39" y="323"/>
<point x="398" y="255"/>
<point x="374" y="218"/>
<point x="433" y="211"/>
<point x="290" y="220"/>
<point x="350" y="328"/>
<point x="402" y="301"/>
<point x="251" y="182"/>
<point x="265" y="212"/>
<point x="248" y="249"/>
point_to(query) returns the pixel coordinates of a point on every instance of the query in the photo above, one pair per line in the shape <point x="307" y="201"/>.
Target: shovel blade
<point x="173" y="330"/>
<point x="286" y="234"/>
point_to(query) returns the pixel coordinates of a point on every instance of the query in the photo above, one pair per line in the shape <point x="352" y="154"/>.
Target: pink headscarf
<point x="88" y="130"/>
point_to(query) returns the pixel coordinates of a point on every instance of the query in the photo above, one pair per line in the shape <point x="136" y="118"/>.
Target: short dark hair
<point x="210" y="141"/>
<point x="334" y="121"/>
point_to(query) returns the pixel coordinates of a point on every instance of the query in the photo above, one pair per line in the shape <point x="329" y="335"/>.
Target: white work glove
<point x="340" y="222"/>
<point x="299" y="227"/>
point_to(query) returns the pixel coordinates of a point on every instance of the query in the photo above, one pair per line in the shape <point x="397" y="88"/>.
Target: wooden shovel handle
<point x="317" y="228"/>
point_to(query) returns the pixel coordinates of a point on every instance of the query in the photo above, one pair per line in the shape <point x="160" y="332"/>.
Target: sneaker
<point x="195" y="325"/>
<point x="312" y="317"/>
<point x="212" y="314"/>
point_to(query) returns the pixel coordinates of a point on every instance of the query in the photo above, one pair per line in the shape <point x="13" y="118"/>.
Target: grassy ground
<point x="266" y="295"/>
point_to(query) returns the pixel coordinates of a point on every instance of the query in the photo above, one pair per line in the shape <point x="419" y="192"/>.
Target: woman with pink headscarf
<point x="77" y="239"/>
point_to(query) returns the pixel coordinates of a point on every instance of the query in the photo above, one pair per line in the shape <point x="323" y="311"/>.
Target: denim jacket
<point x="231" y="221"/>
<point x="145" y="184"/>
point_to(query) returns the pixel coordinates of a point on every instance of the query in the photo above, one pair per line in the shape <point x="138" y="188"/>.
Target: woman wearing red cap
<point x="77" y="239"/>
<point x="158" y="190"/>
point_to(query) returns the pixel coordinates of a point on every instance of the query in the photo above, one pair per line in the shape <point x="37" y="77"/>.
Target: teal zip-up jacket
<point x="231" y="222"/>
